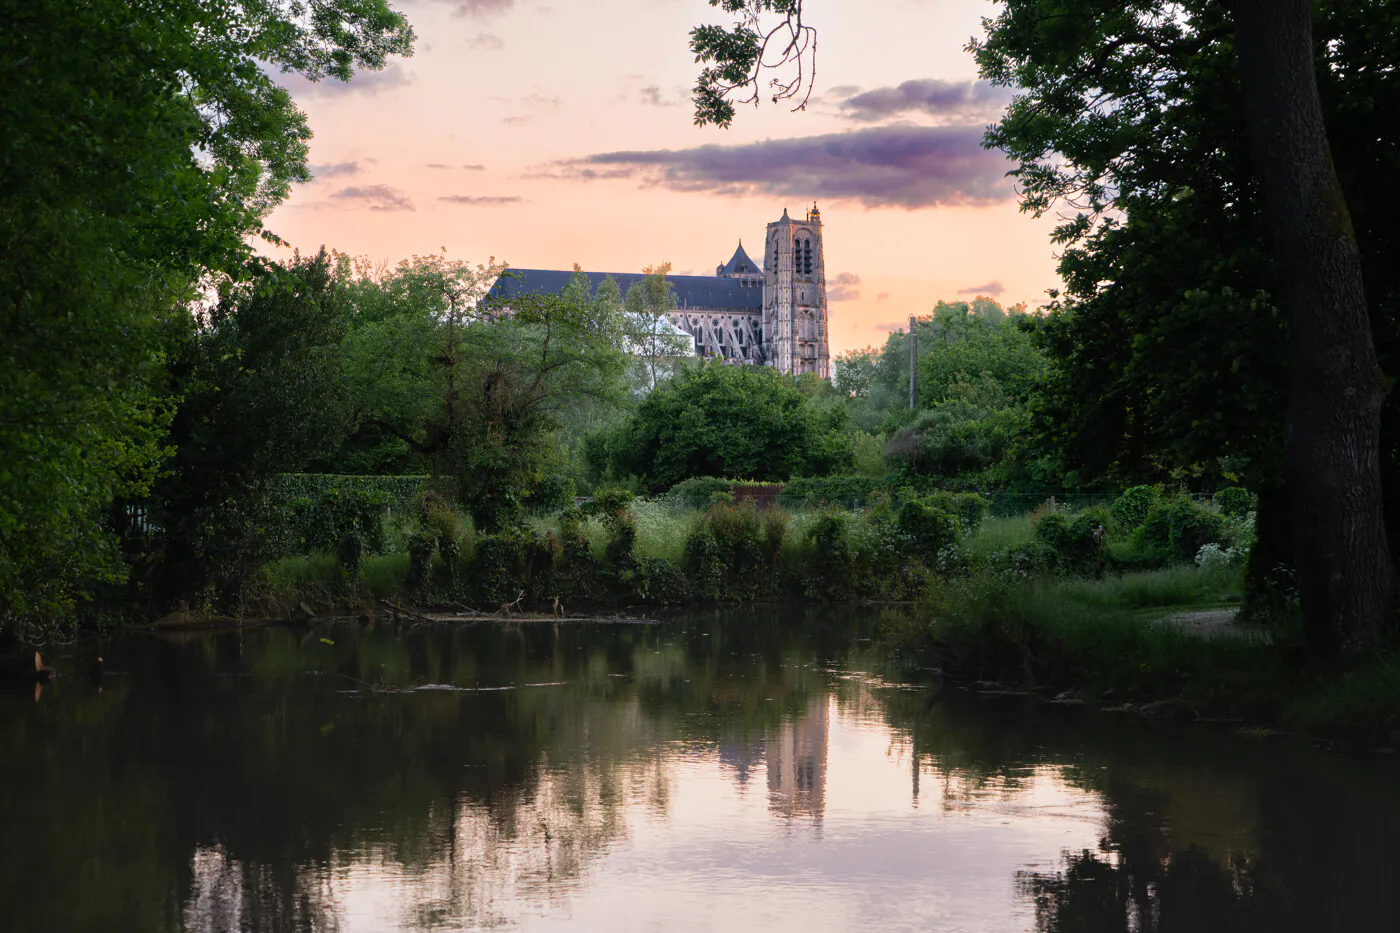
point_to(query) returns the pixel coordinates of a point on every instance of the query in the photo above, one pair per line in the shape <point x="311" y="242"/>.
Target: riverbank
<point x="1119" y="643"/>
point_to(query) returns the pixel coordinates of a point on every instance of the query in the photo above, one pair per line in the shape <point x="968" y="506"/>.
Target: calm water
<point x="742" y="772"/>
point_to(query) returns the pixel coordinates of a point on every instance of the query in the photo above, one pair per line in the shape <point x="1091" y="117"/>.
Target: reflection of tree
<point x="1105" y="892"/>
<point x="248" y="777"/>
<point x="1202" y="831"/>
<point x="253" y="781"/>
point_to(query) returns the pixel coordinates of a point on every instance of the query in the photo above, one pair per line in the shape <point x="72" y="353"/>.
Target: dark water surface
<point x="738" y="772"/>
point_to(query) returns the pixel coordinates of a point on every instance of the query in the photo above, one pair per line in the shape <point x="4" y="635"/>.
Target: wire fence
<point x="999" y="504"/>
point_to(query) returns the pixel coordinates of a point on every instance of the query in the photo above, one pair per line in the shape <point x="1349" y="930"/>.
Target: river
<point x="724" y="771"/>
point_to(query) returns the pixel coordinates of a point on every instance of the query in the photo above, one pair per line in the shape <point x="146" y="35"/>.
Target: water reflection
<point x="726" y="772"/>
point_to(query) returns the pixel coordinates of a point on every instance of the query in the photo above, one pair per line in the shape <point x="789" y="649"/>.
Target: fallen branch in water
<point x="396" y="609"/>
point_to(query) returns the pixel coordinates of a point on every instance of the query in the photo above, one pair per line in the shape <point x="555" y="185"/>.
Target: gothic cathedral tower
<point x="794" y="296"/>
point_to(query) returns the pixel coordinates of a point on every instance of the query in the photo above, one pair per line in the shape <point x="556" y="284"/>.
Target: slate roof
<point x="741" y="262"/>
<point x="692" y="291"/>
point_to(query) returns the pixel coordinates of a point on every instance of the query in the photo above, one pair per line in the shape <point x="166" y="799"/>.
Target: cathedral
<point x="772" y="315"/>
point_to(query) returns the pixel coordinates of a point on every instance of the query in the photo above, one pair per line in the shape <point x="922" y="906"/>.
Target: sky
<point x="545" y="133"/>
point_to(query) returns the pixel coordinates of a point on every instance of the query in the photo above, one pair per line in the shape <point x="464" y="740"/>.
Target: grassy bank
<point x="1108" y="642"/>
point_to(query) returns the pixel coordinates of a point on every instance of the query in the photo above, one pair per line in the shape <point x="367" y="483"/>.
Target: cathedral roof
<point x="740" y="263"/>
<point x="692" y="291"/>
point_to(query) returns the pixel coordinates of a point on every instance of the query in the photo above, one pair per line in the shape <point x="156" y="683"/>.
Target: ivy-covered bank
<point x="351" y="545"/>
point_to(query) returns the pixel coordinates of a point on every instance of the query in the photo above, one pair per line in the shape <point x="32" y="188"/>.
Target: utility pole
<point x="913" y="361"/>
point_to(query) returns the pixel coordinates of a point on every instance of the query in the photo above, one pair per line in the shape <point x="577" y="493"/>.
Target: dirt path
<point x="1208" y="623"/>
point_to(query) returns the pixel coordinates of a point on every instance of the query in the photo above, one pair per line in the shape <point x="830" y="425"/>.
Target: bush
<point x="732" y="550"/>
<point x="1131" y="508"/>
<point x="324" y="520"/>
<point x="831" y="571"/>
<point x="928" y="525"/>
<point x="1077" y="543"/>
<point x="699" y="492"/>
<point x="1234" y="502"/>
<point x="1179" y="527"/>
<point x="501" y="564"/>
<point x="614" y="508"/>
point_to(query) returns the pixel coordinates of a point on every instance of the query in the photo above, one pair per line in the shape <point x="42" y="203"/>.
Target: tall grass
<point x="661" y="531"/>
<point x="1091" y="638"/>
<point x="998" y="534"/>
<point x="1183" y="585"/>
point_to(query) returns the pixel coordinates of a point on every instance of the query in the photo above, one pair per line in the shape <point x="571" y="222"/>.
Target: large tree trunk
<point x="1332" y="436"/>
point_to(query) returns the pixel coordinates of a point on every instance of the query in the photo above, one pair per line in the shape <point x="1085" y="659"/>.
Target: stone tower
<point x="794" y="296"/>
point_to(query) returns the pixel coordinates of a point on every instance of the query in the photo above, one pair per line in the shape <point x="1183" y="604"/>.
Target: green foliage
<point x="613" y="506"/>
<point x="501" y="566"/>
<point x="819" y="491"/>
<point x="143" y="145"/>
<point x="867" y="454"/>
<point x="324" y="522"/>
<point x="1130" y="509"/>
<point x="928" y="526"/>
<point x="1081" y="636"/>
<point x="657" y="346"/>
<point x="1078" y="543"/>
<point x="702" y="491"/>
<point x="1179" y="526"/>
<point x="261" y="395"/>
<point x="720" y="420"/>
<point x="479" y="393"/>
<point x="1234" y="502"/>
<point x="833" y="560"/>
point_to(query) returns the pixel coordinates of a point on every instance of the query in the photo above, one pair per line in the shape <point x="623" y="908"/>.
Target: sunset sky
<point x="552" y="132"/>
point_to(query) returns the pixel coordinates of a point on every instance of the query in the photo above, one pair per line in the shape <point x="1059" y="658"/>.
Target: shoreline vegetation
<point x="1092" y="605"/>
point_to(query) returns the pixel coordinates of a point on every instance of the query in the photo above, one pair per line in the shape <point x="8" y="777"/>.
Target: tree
<point x="474" y="389"/>
<point x="258" y="378"/>
<point x="1332" y="435"/>
<point x="143" y="145"/>
<point x="1102" y="84"/>
<point x="742" y="422"/>
<point x="654" y="340"/>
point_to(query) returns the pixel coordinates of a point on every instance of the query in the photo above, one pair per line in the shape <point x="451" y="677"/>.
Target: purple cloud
<point x="334" y="169"/>
<point x="991" y="289"/>
<point x="375" y="197"/>
<point x="883" y="166"/>
<point x="962" y="101"/>
<point x="486" y="42"/>
<point x="845" y="287"/>
<point x="392" y="77"/>
<point x="482" y="199"/>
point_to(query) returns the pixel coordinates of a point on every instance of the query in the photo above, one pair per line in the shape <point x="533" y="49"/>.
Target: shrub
<point x="698" y="492"/>
<point x="501" y="563"/>
<point x="830" y="573"/>
<point x="1130" y="509"/>
<point x="702" y="563"/>
<point x="1234" y="502"/>
<point x="1025" y="559"/>
<point x="1215" y="559"/>
<point x="878" y="546"/>
<point x="1077" y="543"/>
<point x="727" y="552"/>
<point x="1179" y="527"/>
<point x="613" y="507"/>
<point x="322" y="521"/>
<point x="928" y="525"/>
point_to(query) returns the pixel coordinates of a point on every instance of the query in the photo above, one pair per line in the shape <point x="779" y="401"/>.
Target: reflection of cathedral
<point x="795" y="758"/>
<point x="797" y="764"/>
